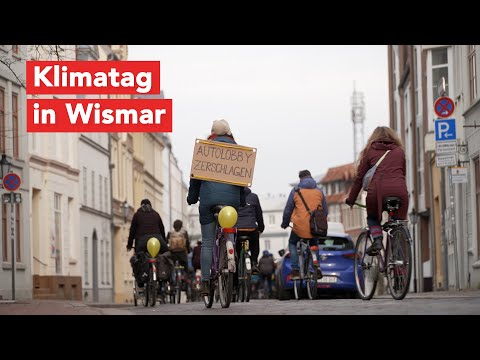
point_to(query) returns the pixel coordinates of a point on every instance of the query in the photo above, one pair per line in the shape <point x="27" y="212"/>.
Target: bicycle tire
<point x="146" y="295"/>
<point x="366" y="267"/>
<point x="248" y="287"/>
<point x="311" y="278"/>
<point x="241" y="277"/>
<point x="178" y="289"/>
<point x="208" y="299"/>
<point x="152" y="289"/>
<point x="399" y="268"/>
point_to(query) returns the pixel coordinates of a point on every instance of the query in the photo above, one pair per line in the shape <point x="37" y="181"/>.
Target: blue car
<point x="336" y="259"/>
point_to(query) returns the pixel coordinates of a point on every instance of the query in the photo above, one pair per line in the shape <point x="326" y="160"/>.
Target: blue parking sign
<point x="445" y="130"/>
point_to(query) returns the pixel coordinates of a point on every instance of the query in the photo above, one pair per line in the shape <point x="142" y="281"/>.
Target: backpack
<point x="164" y="267"/>
<point x="177" y="241"/>
<point x="140" y="267"/>
<point x="318" y="220"/>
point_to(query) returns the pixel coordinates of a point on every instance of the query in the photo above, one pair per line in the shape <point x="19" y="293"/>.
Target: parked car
<point x="336" y="259"/>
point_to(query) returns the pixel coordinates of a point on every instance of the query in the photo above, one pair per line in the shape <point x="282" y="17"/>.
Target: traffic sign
<point x="444" y="106"/>
<point x="459" y="175"/>
<point x="11" y="181"/>
<point x="12" y="198"/>
<point x="445" y="130"/>
<point x="445" y="147"/>
<point x="446" y="160"/>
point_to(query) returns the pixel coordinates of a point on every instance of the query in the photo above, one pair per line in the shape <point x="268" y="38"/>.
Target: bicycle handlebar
<point x="361" y="205"/>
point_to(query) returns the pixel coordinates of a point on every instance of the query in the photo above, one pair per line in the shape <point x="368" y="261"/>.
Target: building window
<point x="477" y="198"/>
<point x="439" y="70"/>
<point x="15" y="134"/>
<point x="4" y="233"/>
<point x="57" y="208"/>
<point x="102" y="259"/>
<point x="271" y="219"/>
<point x="267" y="244"/>
<point x="2" y="121"/>
<point x="85" y="186"/>
<point x="85" y="260"/>
<point x="472" y="75"/>
<point x="107" y="252"/>
<point x="105" y="188"/>
<point x="93" y="189"/>
<point x="100" y="193"/>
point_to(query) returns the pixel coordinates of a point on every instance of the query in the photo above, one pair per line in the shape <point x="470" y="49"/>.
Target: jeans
<point x="292" y="247"/>
<point x="208" y="237"/>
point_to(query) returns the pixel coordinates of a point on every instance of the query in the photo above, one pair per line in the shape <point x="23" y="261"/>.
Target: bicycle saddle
<point x="216" y="209"/>
<point x="391" y="203"/>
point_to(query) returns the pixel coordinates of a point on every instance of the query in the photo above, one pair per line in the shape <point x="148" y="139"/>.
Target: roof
<point x="342" y="172"/>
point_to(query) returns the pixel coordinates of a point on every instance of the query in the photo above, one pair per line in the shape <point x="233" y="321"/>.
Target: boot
<point x="205" y="288"/>
<point x="295" y="275"/>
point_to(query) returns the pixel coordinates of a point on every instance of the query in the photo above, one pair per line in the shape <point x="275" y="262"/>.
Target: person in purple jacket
<point x="388" y="180"/>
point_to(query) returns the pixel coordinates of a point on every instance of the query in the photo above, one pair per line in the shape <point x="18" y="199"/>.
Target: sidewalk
<point x="60" y="307"/>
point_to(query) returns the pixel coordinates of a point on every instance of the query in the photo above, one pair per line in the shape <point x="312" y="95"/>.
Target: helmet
<point x="265" y="253"/>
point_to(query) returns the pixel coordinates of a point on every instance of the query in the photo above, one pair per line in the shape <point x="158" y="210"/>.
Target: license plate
<point x="327" y="279"/>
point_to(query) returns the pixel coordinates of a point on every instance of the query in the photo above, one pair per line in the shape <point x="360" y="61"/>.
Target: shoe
<point x="295" y="275"/>
<point x="205" y="288"/>
<point x="375" y="248"/>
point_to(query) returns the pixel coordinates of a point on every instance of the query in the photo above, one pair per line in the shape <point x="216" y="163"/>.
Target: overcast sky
<point x="290" y="102"/>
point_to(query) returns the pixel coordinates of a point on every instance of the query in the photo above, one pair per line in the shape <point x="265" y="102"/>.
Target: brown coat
<point x="389" y="179"/>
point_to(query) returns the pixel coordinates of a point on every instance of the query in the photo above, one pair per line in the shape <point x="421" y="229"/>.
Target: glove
<point x="284" y="226"/>
<point x="190" y="201"/>
<point x="348" y="202"/>
<point x="129" y="248"/>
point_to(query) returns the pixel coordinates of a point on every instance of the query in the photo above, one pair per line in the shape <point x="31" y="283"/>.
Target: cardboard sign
<point x="223" y="162"/>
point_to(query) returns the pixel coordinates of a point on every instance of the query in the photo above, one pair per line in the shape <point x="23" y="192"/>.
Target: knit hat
<point x="304" y="173"/>
<point x="221" y="127"/>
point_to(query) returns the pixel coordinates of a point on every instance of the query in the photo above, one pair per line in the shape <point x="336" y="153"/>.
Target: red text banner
<point x="93" y="77"/>
<point x="99" y="115"/>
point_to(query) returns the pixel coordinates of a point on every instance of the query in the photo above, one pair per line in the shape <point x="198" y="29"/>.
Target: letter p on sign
<point x="445" y="130"/>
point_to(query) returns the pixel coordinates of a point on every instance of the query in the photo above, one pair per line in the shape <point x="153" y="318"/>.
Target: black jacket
<point x="145" y="221"/>
<point x="250" y="215"/>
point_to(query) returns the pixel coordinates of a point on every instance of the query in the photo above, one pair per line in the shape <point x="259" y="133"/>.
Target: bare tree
<point x="35" y="52"/>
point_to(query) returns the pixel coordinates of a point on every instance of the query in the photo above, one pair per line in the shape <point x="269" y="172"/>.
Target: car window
<point x="334" y="243"/>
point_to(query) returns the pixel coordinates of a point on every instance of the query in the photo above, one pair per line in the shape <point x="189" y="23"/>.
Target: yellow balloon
<point x="227" y="217"/>
<point x="153" y="246"/>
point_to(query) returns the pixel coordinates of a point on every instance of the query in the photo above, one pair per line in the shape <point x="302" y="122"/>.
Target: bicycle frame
<point x="302" y="246"/>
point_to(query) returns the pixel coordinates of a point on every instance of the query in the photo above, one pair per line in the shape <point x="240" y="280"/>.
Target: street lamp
<point x="413" y="219"/>
<point x="125" y="208"/>
<point x="5" y="166"/>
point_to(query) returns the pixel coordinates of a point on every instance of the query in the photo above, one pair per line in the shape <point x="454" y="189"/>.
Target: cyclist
<point x="146" y="223"/>
<point x="179" y="244"/>
<point x="296" y="212"/>
<point x="266" y="266"/>
<point x="250" y="216"/>
<point x="213" y="193"/>
<point x="388" y="180"/>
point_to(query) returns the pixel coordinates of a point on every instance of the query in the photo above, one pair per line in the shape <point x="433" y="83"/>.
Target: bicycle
<point x="394" y="260"/>
<point x="223" y="264"/>
<point x="150" y="286"/>
<point x="244" y="266"/>
<point x="178" y="281"/>
<point x="312" y="275"/>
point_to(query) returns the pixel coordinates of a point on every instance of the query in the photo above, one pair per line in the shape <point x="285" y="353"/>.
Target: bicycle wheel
<point x="311" y="278"/>
<point x="178" y="289"/>
<point x="208" y="299"/>
<point x="146" y="295"/>
<point x="241" y="277"/>
<point x="225" y="278"/>
<point x="399" y="267"/>
<point x="152" y="289"/>
<point x="366" y="267"/>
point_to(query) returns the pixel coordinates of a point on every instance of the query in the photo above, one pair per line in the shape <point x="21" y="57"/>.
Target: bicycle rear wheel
<point x="208" y="299"/>
<point x="366" y="267"/>
<point x="311" y="278"/>
<point x="399" y="268"/>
